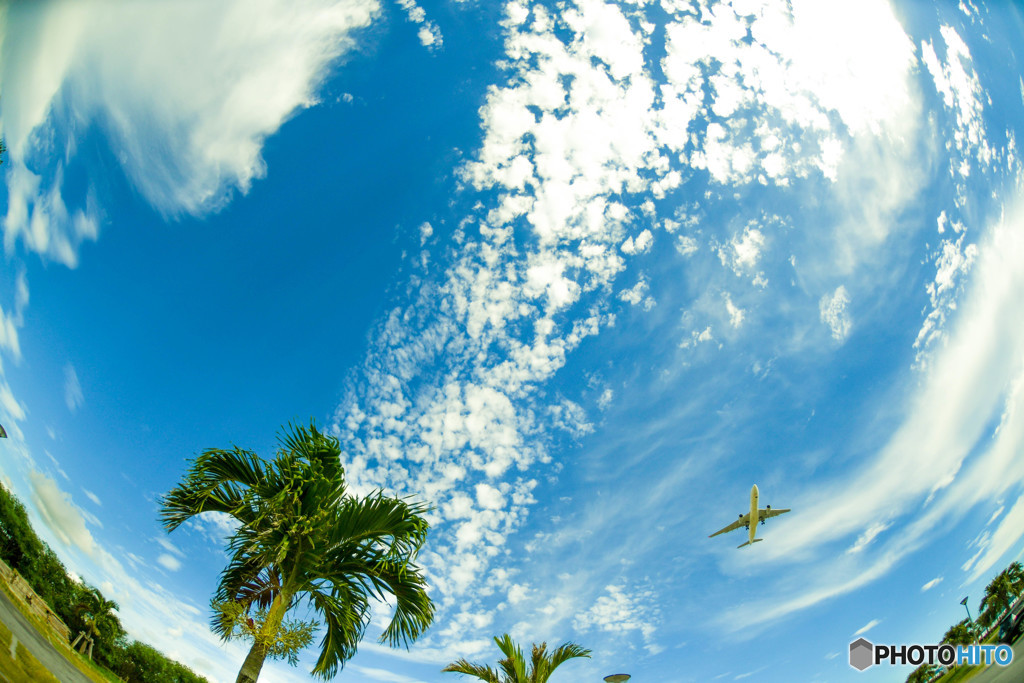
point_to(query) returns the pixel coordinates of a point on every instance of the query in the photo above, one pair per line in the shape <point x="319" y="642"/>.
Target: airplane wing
<point x="765" y="513"/>
<point x="742" y="521"/>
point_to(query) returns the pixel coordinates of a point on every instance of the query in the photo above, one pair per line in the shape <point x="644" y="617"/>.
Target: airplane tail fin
<point x="756" y="540"/>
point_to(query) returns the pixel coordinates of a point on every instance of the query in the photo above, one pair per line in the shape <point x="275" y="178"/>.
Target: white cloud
<point x="735" y="313"/>
<point x="186" y="114"/>
<point x="60" y="514"/>
<point x="867" y="627"/>
<point x="169" y="562"/>
<point x="89" y="494"/>
<point x="12" y="408"/>
<point x="428" y="33"/>
<point x="869" y="535"/>
<point x="1006" y="535"/>
<point x="931" y="584"/>
<point x="641" y="244"/>
<point x="963" y="95"/>
<point x="619" y="611"/>
<point x="489" y="497"/>
<point x="60" y="470"/>
<point x="995" y="515"/>
<point x="170" y="547"/>
<point x="10" y="322"/>
<point x="384" y="675"/>
<point x="216" y="526"/>
<point x="73" y="397"/>
<point x="638" y="294"/>
<point x="834" y="313"/>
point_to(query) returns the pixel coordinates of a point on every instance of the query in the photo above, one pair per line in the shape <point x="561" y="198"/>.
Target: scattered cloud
<point x="73" y="397"/>
<point x="60" y="514"/>
<point x="619" y="611"/>
<point x="89" y="494"/>
<point x="384" y="675"/>
<point x="429" y="34"/>
<point x="834" y="313"/>
<point x="931" y="584"/>
<point x="10" y="322"/>
<point x="868" y="536"/>
<point x="867" y="627"/>
<point x="169" y="562"/>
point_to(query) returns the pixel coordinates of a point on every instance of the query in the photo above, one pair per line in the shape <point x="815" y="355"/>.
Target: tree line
<point x="87" y="612"/>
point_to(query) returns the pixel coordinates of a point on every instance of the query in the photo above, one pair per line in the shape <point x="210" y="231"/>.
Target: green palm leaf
<point x="514" y="667"/>
<point x="484" y="673"/>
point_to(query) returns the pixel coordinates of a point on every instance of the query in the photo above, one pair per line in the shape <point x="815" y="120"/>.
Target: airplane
<point x="758" y="515"/>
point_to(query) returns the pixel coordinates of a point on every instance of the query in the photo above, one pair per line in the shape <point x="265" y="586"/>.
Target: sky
<point x="576" y="274"/>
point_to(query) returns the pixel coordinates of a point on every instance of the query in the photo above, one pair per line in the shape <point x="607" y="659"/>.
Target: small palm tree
<point x="514" y="668"/>
<point x="999" y="595"/>
<point x="959" y="634"/>
<point x="97" y="614"/>
<point x="923" y="673"/>
<point x="302" y="540"/>
<point x="1015" y="573"/>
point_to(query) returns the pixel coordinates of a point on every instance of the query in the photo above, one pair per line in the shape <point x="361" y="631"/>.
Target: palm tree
<point x="97" y="614"/>
<point x="923" y="673"/>
<point x="1015" y="573"/>
<point x="302" y="539"/>
<point x="959" y="634"/>
<point x="999" y="594"/>
<point x="514" y="669"/>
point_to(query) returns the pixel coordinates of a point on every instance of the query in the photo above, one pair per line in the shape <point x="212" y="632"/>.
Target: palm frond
<point x="484" y="673"/>
<point x="215" y="482"/>
<point x="395" y="522"/>
<point x="261" y="590"/>
<point x="540" y="667"/>
<point x="317" y="448"/>
<point x="345" y="612"/>
<point x="562" y="654"/>
<point x="414" y="610"/>
<point x="514" y="665"/>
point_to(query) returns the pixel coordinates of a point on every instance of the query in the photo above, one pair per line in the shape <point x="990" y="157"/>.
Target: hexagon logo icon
<point x="862" y="654"/>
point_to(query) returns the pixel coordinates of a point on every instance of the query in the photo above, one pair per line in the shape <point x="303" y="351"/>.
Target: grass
<point x="89" y="668"/>
<point x="23" y="666"/>
<point x="966" y="672"/>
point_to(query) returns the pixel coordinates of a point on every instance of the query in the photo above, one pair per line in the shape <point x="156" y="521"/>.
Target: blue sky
<point x="578" y="274"/>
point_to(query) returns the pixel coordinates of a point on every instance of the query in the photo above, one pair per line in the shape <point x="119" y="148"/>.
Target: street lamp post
<point x="970" y="620"/>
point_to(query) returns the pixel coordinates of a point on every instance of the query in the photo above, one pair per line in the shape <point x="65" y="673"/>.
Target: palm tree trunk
<point x="253" y="663"/>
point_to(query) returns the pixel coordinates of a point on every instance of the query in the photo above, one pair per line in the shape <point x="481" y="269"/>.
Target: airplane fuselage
<point x="752" y="526"/>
